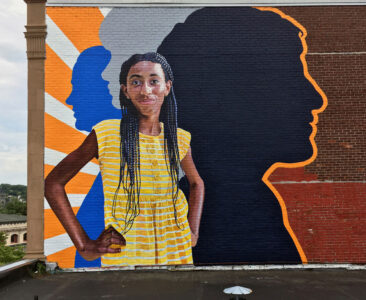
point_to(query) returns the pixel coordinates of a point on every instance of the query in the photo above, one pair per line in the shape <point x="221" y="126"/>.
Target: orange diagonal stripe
<point x="57" y="77"/>
<point x="64" y="258"/>
<point x="79" y="24"/>
<point x="80" y="184"/>
<point x="53" y="226"/>
<point x="62" y="137"/>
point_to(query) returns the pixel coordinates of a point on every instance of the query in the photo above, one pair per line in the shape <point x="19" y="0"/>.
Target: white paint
<point x="60" y="44"/>
<point x="53" y="157"/>
<point x="105" y="10"/>
<point x="75" y="200"/>
<point x="59" y="111"/>
<point x="57" y="243"/>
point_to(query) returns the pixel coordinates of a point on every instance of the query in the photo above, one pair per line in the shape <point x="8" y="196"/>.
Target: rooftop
<point x="183" y="285"/>
<point x="6" y="219"/>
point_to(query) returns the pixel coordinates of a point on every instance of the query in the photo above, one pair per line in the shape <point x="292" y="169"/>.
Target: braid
<point x="130" y="176"/>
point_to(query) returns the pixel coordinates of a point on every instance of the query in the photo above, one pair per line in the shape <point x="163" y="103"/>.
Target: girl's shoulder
<point x="107" y="124"/>
<point x="184" y="141"/>
<point x="184" y="135"/>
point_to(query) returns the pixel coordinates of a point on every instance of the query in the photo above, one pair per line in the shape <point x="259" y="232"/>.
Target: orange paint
<point x="62" y="137"/>
<point x="57" y="77"/>
<point x="80" y="184"/>
<point x="54" y="226"/>
<point x="315" y="112"/>
<point x="79" y="24"/>
<point x="64" y="258"/>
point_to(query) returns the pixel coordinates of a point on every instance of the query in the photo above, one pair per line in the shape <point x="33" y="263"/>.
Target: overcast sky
<point x="13" y="93"/>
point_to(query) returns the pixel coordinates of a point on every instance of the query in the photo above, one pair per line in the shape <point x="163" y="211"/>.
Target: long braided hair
<point x="130" y="175"/>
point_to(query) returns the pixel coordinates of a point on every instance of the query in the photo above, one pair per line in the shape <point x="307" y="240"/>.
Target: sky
<point x="13" y="93"/>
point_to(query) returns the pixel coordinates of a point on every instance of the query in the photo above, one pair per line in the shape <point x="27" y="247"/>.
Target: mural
<point x="243" y="93"/>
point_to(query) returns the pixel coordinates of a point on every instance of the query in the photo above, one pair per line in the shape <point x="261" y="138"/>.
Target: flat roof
<point x="6" y="219"/>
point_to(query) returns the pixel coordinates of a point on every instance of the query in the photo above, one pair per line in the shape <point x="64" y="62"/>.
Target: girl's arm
<point x="196" y="195"/>
<point x="57" y="198"/>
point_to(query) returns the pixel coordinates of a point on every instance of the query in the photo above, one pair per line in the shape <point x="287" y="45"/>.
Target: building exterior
<point x="274" y="183"/>
<point x="15" y="227"/>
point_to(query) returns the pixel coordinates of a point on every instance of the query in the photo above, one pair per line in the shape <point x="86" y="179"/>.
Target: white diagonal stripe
<point x="105" y="11"/>
<point x="59" y="111"/>
<point x="53" y="157"/>
<point x="75" y="200"/>
<point x="61" y="44"/>
<point x="57" y="243"/>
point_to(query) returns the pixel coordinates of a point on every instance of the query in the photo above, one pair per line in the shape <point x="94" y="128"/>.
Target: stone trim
<point x="36" y="31"/>
<point x="36" y="35"/>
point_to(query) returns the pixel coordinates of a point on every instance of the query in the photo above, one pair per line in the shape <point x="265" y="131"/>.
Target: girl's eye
<point x="135" y="82"/>
<point x="154" y="81"/>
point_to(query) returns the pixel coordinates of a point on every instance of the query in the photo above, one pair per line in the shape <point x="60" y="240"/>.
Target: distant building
<point x="3" y="198"/>
<point x="15" y="226"/>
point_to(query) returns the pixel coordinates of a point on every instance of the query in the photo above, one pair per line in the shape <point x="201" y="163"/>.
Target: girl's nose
<point x="146" y="89"/>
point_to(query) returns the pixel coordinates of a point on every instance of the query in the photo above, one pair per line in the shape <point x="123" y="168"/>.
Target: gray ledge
<point x="201" y="3"/>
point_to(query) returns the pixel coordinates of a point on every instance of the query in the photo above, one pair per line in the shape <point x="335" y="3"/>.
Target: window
<point x="24" y="237"/>
<point x="14" y="238"/>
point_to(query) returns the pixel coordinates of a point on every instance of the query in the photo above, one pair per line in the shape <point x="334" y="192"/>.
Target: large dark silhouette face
<point x="242" y="93"/>
<point x="238" y="72"/>
<point x="90" y="96"/>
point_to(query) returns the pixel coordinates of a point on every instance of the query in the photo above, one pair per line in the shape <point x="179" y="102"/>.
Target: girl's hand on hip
<point x="96" y="248"/>
<point x="194" y="239"/>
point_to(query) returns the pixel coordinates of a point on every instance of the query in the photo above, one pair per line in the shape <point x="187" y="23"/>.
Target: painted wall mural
<point x="244" y="94"/>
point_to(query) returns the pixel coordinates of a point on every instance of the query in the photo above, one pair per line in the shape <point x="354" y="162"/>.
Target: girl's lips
<point x="147" y="101"/>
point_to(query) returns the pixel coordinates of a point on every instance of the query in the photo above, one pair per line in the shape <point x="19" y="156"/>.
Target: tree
<point x="16" y="191"/>
<point x="9" y="254"/>
<point x="15" y="207"/>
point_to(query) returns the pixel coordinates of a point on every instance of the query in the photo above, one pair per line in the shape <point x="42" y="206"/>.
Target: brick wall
<point x="329" y="215"/>
<point x="325" y="200"/>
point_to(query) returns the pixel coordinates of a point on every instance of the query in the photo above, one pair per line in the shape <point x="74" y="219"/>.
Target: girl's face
<point x="146" y="87"/>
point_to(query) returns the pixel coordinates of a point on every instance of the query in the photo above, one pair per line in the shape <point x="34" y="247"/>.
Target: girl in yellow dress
<point x="146" y="214"/>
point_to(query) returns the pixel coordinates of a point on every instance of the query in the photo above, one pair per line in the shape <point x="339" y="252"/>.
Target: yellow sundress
<point x="155" y="238"/>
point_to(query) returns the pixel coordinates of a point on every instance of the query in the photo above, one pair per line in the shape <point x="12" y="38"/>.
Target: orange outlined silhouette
<point x="314" y="112"/>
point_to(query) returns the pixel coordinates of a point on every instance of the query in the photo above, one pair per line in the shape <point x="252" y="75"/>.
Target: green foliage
<point x="14" y="191"/>
<point x="3" y="237"/>
<point x="15" y="207"/>
<point x="41" y="268"/>
<point x="9" y="254"/>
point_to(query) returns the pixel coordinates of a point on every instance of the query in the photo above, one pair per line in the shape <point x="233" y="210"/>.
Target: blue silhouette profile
<point x="91" y="103"/>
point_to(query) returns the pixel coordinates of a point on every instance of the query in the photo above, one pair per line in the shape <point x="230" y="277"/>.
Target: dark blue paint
<point x="242" y="94"/>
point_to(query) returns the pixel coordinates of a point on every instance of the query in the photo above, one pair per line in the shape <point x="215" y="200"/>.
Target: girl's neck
<point x="149" y="125"/>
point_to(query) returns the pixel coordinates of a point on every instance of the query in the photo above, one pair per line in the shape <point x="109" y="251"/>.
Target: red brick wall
<point x="326" y="201"/>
